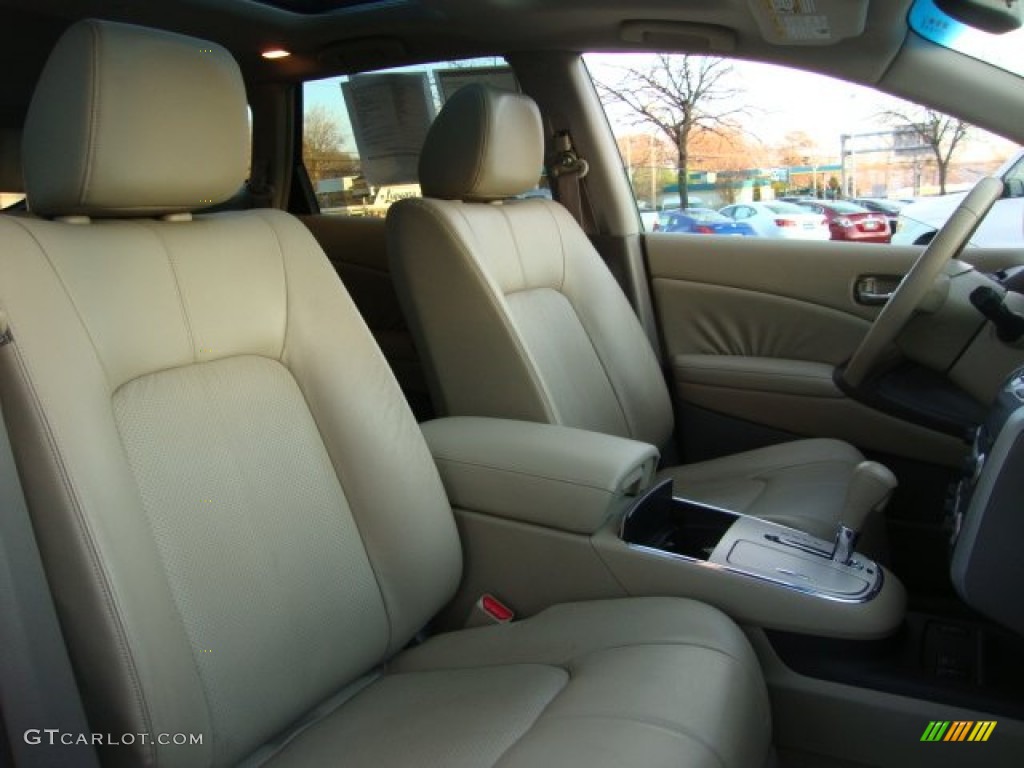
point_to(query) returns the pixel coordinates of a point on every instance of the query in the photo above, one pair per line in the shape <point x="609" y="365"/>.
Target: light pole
<point x="654" y="181"/>
<point x="843" y="138"/>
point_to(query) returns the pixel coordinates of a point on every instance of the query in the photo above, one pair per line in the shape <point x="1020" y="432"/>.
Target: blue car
<point x="704" y="221"/>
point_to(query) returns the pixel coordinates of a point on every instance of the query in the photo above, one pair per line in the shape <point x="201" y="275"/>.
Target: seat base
<point x="641" y="682"/>
<point x="801" y="484"/>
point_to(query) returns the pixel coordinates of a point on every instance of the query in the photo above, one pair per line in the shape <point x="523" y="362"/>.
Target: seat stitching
<point x="663" y="725"/>
<point x="87" y="538"/>
<point x="498" y="467"/>
<point x="540" y="714"/>
<point x="84" y="530"/>
<point x="482" y="149"/>
<point x="186" y="320"/>
<point x="597" y="352"/>
<point x="658" y="644"/>
<point x="370" y="559"/>
<point x="263" y="217"/>
<point x="499" y="301"/>
<point x="762" y="473"/>
<point x="85" y="173"/>
<point x="572" y="661"/>
<point x="67" y="292"/>
<point x="492" y="299"/>
<point x="503" y="211"/>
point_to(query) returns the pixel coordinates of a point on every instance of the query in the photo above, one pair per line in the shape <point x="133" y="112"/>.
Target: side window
<point x="362" y="134"/>
<point x="11" y="192"/>
<point x="700" y="132"/>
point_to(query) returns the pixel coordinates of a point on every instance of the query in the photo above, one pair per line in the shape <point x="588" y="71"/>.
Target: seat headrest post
<point x="486" y="144"/>
<point x="129" y="121"/>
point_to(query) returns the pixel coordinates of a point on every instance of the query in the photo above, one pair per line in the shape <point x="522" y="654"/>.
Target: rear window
<point x="785" y="208"/>
<point x="362" y="134"/>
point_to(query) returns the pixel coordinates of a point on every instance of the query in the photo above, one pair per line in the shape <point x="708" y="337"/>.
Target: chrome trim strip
<point x="866" y="596"/>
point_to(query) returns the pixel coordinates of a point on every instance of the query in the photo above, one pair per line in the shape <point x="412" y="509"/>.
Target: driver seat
<point x="518" y="317"/>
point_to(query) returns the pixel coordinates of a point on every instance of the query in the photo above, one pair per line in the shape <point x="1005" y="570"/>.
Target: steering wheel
<point x="948" y="242"/>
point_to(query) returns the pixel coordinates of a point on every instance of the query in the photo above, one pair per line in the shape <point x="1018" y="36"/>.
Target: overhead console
<point x="549" y="514"/>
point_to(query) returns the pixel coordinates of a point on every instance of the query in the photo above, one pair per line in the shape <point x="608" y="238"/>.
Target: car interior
<point x="487" y="475"/>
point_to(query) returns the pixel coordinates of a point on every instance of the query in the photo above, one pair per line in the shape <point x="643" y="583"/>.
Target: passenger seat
<point x="241" y="524"/>
<point x="518" y="317"/>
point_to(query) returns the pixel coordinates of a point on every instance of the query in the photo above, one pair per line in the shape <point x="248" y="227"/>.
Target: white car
<point x="1003" y="227"/>
<point x="780" y="219"/>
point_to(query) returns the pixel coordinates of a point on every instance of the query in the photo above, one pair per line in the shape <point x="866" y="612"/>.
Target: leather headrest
<point x="129" y="121"/>
<point x="10" y="161"/>
<point x="486" y="144"/>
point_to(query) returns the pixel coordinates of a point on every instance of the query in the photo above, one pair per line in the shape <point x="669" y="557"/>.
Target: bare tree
<point x="322" y="151"/>
<point x="940" y="133"/>
<point x="681" y="95"/>
<point x="797" y="148"/>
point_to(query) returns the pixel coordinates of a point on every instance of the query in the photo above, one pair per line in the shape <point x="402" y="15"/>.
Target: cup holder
<point x="660" y="521"/>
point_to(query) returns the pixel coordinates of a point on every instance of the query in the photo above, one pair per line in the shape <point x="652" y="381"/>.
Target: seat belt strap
<point x="39" y="700"/>
<point x="567" y="169"/>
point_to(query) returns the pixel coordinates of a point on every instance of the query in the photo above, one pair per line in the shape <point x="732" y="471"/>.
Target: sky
<point x="784" y="99"/>
<point x="781" y="100"/>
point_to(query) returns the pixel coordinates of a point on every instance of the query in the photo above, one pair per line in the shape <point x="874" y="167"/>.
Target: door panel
<point x="702" y="318"/>
<point x="778" y="316"/>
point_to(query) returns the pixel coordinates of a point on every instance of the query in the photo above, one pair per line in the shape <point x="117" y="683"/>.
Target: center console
<point x="549" y="514"/>
<point x="663" y="525"/>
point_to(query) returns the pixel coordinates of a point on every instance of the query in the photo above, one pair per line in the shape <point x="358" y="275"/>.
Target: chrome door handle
<point x="873" y="290"/>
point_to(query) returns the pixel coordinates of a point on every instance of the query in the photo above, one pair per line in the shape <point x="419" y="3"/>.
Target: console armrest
<point x="553" y="476"/>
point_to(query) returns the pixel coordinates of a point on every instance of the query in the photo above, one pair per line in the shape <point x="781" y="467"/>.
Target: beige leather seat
<point x="518" y="317"/>
<point x="240" y="521"/>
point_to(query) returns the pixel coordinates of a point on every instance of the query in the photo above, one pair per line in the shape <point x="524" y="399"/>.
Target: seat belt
<point x="39" y="700"/>
<point x="566" y="170"/>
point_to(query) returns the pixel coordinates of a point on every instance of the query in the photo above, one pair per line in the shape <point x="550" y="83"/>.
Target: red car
<point x="848" y="221"/>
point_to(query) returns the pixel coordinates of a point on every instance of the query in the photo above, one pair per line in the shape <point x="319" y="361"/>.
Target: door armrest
<point x="764" y="374"/>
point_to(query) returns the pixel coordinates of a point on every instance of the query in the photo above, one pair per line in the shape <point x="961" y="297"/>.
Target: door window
<point x="709" y="132"/>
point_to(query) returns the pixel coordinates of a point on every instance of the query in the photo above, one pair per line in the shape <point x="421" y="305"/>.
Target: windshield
<point x="1002" y="51"/>
<point x="889" y="206"/>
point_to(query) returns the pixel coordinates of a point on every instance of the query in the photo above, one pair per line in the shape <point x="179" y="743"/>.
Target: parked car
<point x="705" y="221"/>
<point x="1002" y="228"/>
<point x="890" y="208"/>
<point x="848" y="221"/>
<point x="780" y="219"/>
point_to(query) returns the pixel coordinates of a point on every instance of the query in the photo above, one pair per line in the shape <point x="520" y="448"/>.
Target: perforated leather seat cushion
<point x="637" y="682"/>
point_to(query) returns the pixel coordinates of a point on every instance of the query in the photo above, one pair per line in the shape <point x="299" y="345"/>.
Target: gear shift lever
<point x="870" y="487"/>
